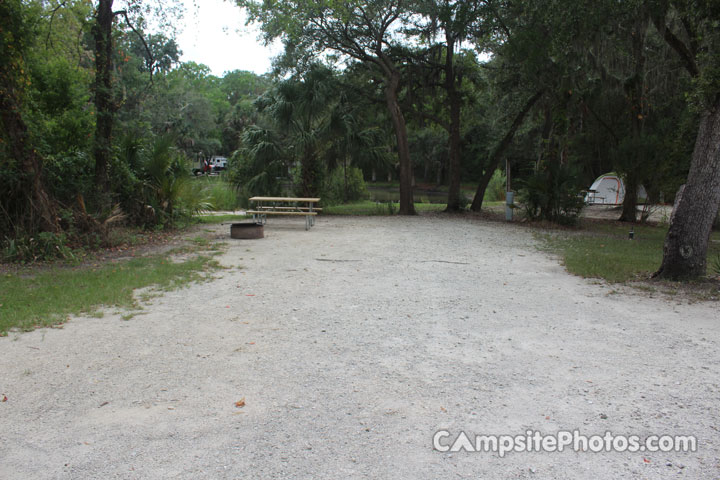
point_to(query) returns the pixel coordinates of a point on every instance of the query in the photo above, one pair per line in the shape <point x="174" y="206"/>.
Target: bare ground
<point x="351" y="345"/>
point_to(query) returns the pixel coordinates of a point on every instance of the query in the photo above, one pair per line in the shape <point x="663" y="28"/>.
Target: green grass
<point x="215" y="219"/>
<point x="430" y="207"/>
<point x="218" y="192"/>
<point x="369" y="207"/>
<point x="49" y="297"/>
<point x="603" y="250"/>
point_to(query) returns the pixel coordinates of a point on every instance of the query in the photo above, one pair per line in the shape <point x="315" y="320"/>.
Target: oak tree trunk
<point x="685" y="250"/>
<point x="629" y="205"/>
<point x="407" y="205"/>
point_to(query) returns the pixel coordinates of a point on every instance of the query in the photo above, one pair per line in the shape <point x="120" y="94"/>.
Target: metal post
<point x="509" y="194"/>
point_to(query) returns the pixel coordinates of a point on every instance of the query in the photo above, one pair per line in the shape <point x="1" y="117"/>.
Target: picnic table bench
<point x="265" y="206"/>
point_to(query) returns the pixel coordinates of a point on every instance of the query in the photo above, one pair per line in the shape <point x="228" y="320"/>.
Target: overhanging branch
<point x="676" y="44"/>
<point x="151" y="60"/>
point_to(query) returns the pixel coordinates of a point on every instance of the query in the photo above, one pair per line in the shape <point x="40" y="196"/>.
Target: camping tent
<point x="609" y="189"/>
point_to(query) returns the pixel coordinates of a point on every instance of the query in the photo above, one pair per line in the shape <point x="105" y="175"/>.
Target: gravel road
<point x="351" y="345"/>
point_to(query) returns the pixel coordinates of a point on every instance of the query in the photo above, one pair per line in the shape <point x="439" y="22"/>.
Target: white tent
<point x="609" y="189"/>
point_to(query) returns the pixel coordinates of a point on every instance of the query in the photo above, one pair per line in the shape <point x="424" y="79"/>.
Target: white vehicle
<point x="218" y="163"/>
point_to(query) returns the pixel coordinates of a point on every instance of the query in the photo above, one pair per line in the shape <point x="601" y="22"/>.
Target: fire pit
<point x="246" y="230"/>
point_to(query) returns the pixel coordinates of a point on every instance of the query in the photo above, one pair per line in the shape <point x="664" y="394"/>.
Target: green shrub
<point x="68" y="175"/>
<point x="192" y="198"/>
<point x="44" y="246"/>
<point x="553" y="194"/>
<point x="495" y="191"/>
<point x="344" y="185"/>
<point x="220" y="194"/>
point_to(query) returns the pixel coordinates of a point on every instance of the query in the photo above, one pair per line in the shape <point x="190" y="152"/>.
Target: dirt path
<point x="352" y="344"/>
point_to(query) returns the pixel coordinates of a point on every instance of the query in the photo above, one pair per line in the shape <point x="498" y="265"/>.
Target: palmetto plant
<point x="308" y="126"/>
<point x="167" y="189"/>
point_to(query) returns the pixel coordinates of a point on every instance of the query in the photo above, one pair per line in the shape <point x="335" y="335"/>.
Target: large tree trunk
<point x="629" y="205"/>
<point x="407" y="205"/>
<point x="685" y="251"/>
<point x="484" y="182"/>
<point x="496" y="155"/>
<point x="104" y="104"/>
<point x="309" y="174"/>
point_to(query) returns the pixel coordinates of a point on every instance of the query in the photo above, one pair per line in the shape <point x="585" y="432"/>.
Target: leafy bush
<point x="68" y="175"/>
<point x="220" y="194"/>
<point x="553" y="194"/>
<point x="344" y="185"/>
<point x="191" y="200"/>
<point x="42" y="247"/>
<point x="390" y="209"/>
<point x="154" y="183"/>
<point x="495" y="191"/>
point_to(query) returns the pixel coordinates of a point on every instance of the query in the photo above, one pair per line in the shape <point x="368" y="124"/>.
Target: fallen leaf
<point x="240" y="403"/>
<point x="646" y="460"/>
<point x="4" y="398"/>
<point x="443" y="409"/>
<point x="547" y="417"/>
<point x="249" y="295"/>
<point x="251" y="343"/>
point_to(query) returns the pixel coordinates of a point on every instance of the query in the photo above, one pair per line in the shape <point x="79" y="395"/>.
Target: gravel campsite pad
<point x="339" y="352"/>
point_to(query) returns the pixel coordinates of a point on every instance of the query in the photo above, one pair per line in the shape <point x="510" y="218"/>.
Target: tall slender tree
<point x="106" y="103"/>
<point x="445" y="25"/>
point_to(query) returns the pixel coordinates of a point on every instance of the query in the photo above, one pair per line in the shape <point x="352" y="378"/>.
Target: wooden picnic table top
<point x="284" y="199"/>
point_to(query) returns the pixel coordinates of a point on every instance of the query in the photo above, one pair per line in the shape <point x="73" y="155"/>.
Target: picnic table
<point x="265" y="206"/>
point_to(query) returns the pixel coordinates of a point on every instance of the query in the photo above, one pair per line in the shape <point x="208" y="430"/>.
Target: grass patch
<point x="219" y="193"/>
<point x="603" y="250"/>
<point x="430" y="207"/>
<point x="49" y="297"/>
<point x="215" y="219"/>
<point x="370" y="208"/>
